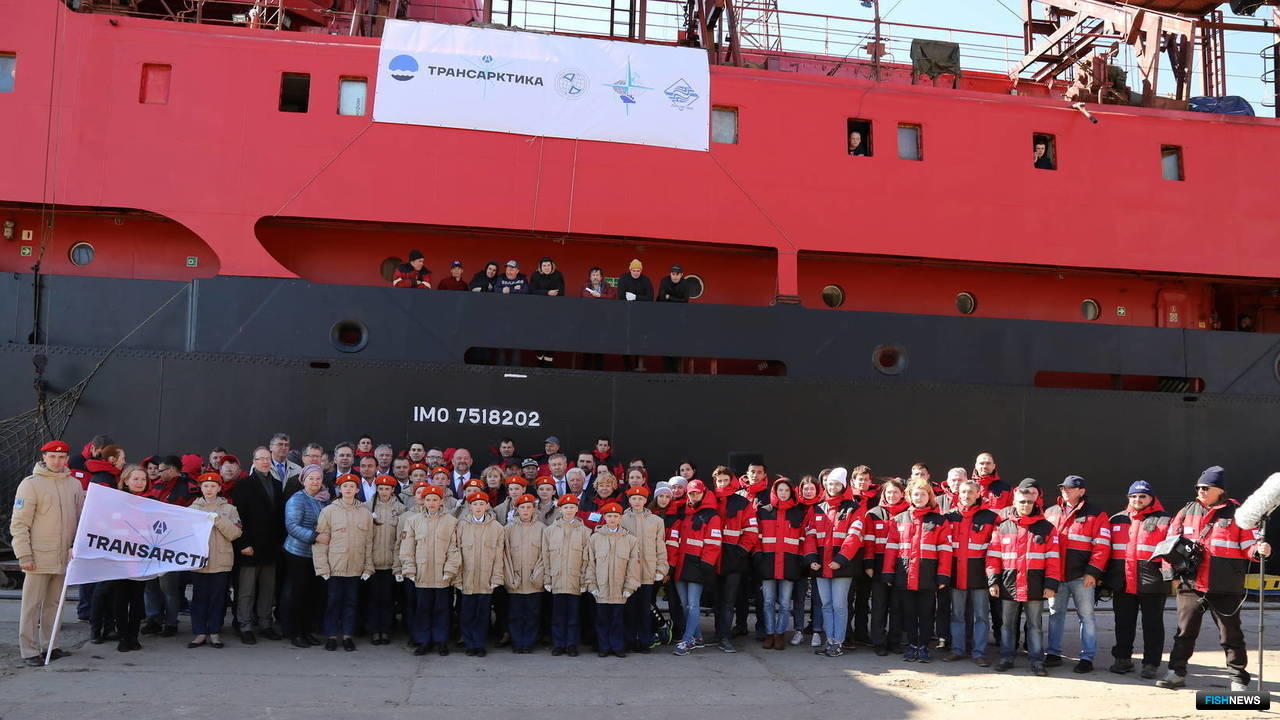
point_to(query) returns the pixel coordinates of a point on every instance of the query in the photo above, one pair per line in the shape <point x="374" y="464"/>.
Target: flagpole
<point x="57" y="618"/>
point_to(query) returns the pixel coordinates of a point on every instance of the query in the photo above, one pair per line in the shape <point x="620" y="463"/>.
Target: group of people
<point x="547" y="280"/>
<point x="532" y="550"/>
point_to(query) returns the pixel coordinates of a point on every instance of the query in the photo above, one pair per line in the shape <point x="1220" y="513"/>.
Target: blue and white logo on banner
<point x="534" y="84"/>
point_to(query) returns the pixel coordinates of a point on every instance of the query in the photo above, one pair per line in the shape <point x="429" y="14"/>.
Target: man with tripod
<point x="1217" y="583"/>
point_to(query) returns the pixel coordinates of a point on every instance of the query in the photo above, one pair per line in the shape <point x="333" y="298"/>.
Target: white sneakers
<point x="797" y="637"/>
<point x="816" y="640"/>
<point x="1239" y="687"/>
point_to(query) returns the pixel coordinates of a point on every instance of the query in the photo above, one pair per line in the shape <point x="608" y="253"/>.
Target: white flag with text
<point x="122" y="536"/>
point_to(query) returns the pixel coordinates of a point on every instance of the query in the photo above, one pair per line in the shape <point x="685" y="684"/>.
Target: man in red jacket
<point x="1022" y="571"/>
<point x="1218" y="583"/>
<point x="1084" y="539"/>
<point x="1137" y="582"/>
<point x="741" y="536"/>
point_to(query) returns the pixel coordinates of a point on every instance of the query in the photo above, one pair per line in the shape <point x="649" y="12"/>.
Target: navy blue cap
<point x="1072" y="481"/>
<point x="455" y="263"/>
<point x="1028" y="483"/>
<point x="1213" y="477"/>
<point x="529" y="462"/>
<point x="1141" y="486"/>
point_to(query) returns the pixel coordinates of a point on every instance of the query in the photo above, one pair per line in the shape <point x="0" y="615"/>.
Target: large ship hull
<point x="228" y="361"/>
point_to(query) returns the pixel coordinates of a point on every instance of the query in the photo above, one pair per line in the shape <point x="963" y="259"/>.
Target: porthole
<point x="966" y="303"/>
<point x="349" y="335"/>
<point x="833" y="296"/>
<point x="81" y="254"/>
<point x="388" y="269"/>
<point x="1090" y="309"/>
<point x="889" y="359"/>
<point x="696" y="288"/>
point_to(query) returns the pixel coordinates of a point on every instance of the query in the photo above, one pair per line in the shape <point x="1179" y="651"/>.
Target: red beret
<point x="477" y="495"/>
<point x="425" y="488"/>
<point x="568" y="499"/>
<point x="526" y="498"/>
<point x="347" y="478"/>
<point x="386" y="480"/>
<point x="209" y="477"/>
<point x="439" y="469"/>
<point x="638" y="490"/>
<point x="612" y="507"/>
<point x="545" y="480"/>
<point x="420" y="466"/>
<point x="55" y="446"/>
<point x="229" y="459"/>
<point x="473" y="483"/>
<point x="516" y="480"/>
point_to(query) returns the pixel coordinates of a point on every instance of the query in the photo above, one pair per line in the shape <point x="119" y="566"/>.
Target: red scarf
<point x="95" y="465"/>
<point x="753" y="489"/>
<point x="918" y="513"/>
<point x="892" y="511"/>
<point x="1028" y="520"/>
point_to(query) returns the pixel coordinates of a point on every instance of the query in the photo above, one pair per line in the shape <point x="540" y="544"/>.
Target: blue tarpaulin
<point x="1229" y="105"/>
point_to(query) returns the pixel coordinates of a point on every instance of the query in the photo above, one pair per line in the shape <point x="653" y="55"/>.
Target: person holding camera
<point x="1213" y="581"/>
<point x="1138" y="582"/>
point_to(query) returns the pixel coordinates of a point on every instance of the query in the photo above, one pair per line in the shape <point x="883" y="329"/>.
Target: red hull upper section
<point x="219" y="157"/>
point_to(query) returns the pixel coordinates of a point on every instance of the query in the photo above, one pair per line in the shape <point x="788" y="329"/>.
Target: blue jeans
<point x="1009" y="630"/>
<point x="1082" y="598"/>
<point x="835" y="606"/>
<point x="776" y="605"/>
<point x="800" y="590"/>
<point x="691" y="599"/>
<point x="977" y="611"/>
<point x="84" y="605"/>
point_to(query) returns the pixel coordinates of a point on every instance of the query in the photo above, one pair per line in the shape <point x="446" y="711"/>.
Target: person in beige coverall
<point x="46" y="509"/>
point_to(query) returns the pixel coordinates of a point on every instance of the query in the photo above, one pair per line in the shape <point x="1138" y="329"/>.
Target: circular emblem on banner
<point x="403" y="67"/>
<point x="572" y="83"/>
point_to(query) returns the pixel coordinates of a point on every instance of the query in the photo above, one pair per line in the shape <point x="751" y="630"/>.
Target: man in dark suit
<point x="260" y="501"/>
<point x="461" y="470"/>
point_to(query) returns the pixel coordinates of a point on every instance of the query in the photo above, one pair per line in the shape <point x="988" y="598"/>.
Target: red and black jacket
<point x="607" y="461"/>
<point x="1023" y="559"/>
<point x="996" y="493"/>
<point x="406" y="277"/>
<point x="971" y="531"/>
<point x="834" y="534"/>
<point x="917" y="553"/>
<point x="947" y="500"/>
<point x="1227" y="548"/>
<point x="1084" y="538"/>
<point x="779" y="554"/>
<point x="1134" y="536"/>
<point x="753" y="489"/>
<point x="741" y="536"/>
<point x="875" y="534"/>
<point x="697" y="542"/>
<point x="589" y="512"/>
<point x="101" y="472"/>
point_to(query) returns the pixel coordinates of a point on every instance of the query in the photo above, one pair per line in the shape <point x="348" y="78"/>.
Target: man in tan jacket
<point x="613" y="574"/>
<point x="46" y="510"/>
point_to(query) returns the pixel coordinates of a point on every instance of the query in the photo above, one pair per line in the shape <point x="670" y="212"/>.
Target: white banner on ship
<point x="127" y="536"/>
<point x="551" y="85"/>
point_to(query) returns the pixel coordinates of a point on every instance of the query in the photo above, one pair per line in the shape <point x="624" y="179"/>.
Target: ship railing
<point x="761" y="31"/>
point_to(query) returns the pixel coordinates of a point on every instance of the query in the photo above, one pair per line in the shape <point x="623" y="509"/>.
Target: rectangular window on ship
<point x="724" y="125"/>
<point x="295" y="92"/>
<point x="858" y="133"/>
<point x="8" y="71"/>
<point x="910" y="142"/>
<point x="352" y="92"/>
<point x="1171" y="162"/>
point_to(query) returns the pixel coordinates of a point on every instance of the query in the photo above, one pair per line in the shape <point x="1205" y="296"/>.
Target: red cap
<point x="55" y="446"/>
<point x="386" y="480"/>
<point x="474" y="483"/>
<point x="696" y="485"/>
<point x="477" y="495"/>
<point x="612" y="507"/>
<point x="638" y="490"/>
<point x="419" y="466"/>
<point x="568" y="499"/>
<point x="209" y="477"/>
<point x="439" y="469"/>
<point x="526" y="498"/>
<point x="423" y="488"/>
<point x="349" y="477"/>
<point x="545" y="480"/>
<point x="516" y="480"/>
<point x="229" y="459"/>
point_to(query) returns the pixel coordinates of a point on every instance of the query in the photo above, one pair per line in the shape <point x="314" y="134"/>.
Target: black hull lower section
<point x="229" y="361"/>
<point x="161" y="402"/>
